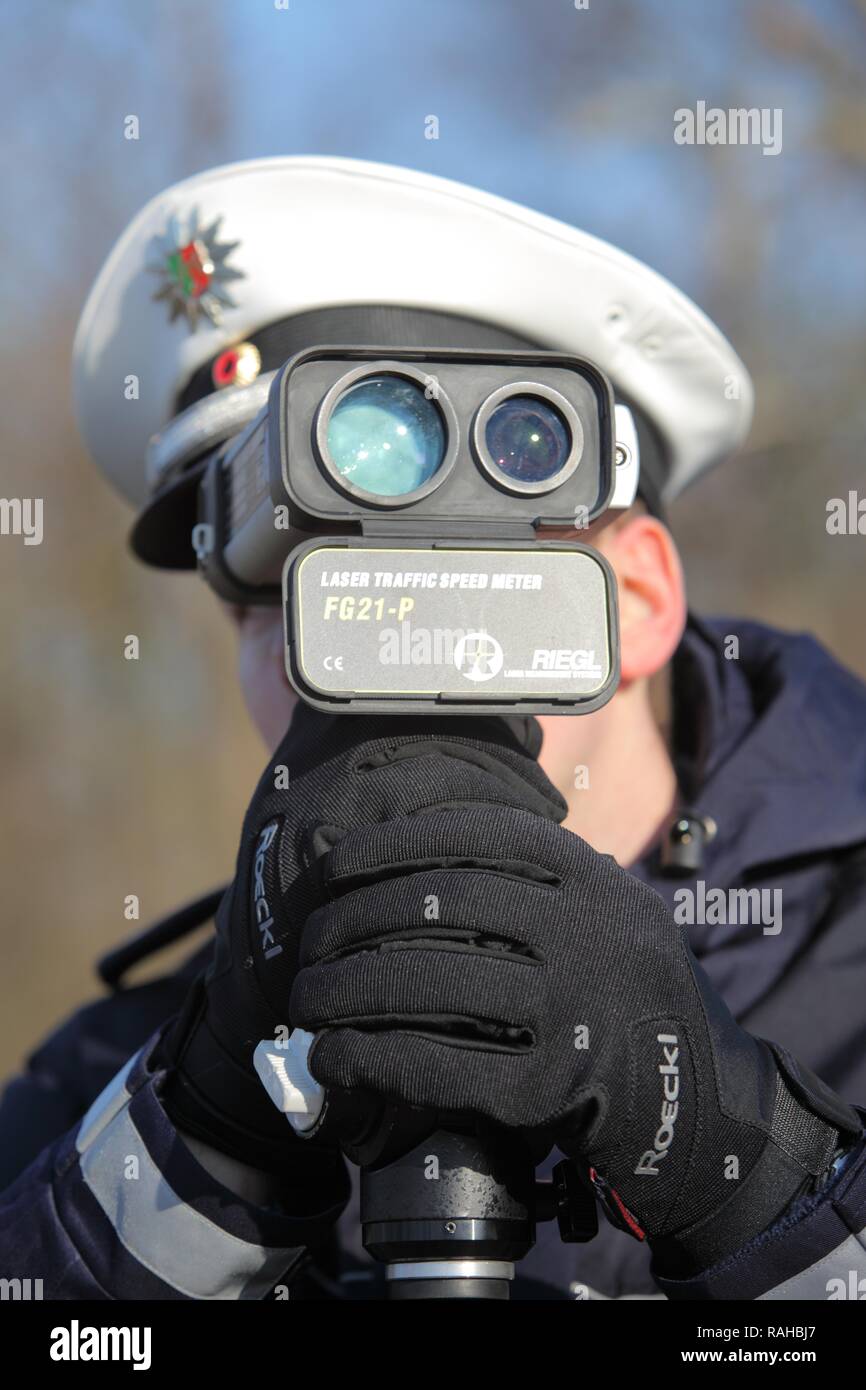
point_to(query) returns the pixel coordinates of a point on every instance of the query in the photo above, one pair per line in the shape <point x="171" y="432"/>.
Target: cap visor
<point x="162" y="534"/>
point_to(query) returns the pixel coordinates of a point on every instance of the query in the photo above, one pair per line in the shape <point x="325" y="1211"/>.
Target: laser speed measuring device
<point x="418" y="514"/>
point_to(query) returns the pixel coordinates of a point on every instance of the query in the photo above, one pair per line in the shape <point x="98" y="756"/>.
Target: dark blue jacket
<point x="771" y="744"/>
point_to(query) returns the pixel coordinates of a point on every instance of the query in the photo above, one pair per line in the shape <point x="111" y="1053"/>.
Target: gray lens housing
<point x="542" y="393"/>
<point x="439" y="400"/>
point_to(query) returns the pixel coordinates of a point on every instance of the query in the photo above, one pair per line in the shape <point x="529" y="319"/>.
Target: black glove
<point x="330" y="775"/>
<point x="553" y="991"/>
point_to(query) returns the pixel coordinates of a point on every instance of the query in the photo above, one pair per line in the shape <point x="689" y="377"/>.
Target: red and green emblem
<point x="191" y="262"/>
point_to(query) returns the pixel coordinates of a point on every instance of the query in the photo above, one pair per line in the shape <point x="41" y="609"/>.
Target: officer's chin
<point x="267" y="694"/>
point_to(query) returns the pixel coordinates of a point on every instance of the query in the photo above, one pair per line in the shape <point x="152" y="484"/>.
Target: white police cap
<point x="215" y="259"/>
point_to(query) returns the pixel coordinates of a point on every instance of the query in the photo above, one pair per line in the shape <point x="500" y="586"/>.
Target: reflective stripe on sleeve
<point x="153" y="1223"/>
<point x="832" y="1277"/>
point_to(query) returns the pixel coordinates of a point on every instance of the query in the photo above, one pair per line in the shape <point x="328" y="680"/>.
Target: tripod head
<point x="449" y="1207"/>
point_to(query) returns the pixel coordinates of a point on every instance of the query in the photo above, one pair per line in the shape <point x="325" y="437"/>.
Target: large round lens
<point x="385" y="436"/>
<point x="528" y="439"/>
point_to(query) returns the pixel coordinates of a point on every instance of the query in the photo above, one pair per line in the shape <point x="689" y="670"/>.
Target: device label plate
<point x="456" y="623"/>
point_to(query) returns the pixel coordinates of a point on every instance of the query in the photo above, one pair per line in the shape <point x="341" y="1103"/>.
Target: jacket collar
<point x="771" y="744"/>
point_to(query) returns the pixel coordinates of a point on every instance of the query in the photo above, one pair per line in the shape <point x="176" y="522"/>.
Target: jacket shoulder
<point x="73" y="1064"/>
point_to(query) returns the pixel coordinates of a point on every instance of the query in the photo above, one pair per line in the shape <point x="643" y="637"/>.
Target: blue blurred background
<point x="124" y="778"/>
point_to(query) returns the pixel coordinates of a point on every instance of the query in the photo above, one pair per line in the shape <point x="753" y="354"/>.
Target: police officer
<point x="728" y="1169"/>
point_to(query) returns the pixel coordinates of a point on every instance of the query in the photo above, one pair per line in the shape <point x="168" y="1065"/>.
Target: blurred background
<point x="131" y="777"/>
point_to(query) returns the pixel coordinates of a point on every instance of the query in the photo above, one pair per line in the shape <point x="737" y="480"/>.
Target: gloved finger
<point x="431" y="1073"/>
<point x="311" y="729"/>
<point x="506" y="839"/>
<point x="436" y="771"/>
<point x="448" y="905"/>
<point x="394" y="770"/>
<point x="461" y="992"/>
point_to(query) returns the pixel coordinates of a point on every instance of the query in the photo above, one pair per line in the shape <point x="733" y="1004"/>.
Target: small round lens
<point x="385" y="436"/>
<point x="528" y="439"/>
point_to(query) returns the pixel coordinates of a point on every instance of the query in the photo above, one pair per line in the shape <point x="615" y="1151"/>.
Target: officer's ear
<point x="652" y="596"/>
